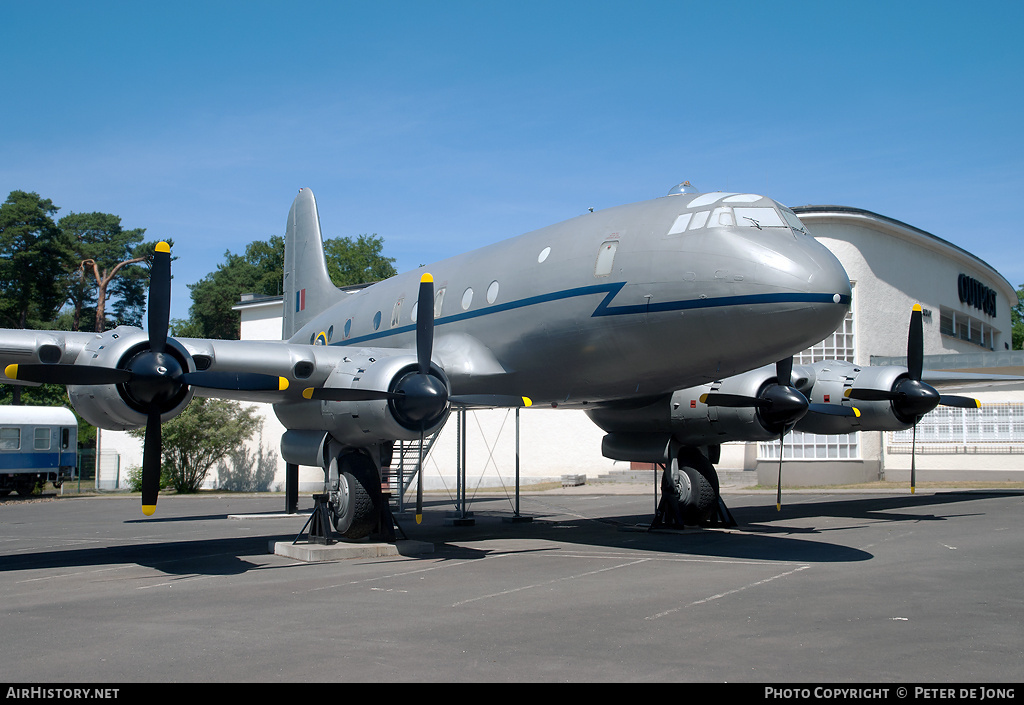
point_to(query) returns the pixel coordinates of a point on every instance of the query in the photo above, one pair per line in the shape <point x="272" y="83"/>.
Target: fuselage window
<point x="492" y="292"/>
<point x="467" y="299"/>
<point x="376" y="320"/>
<point x="606" y="258"/>
<point x="543" y="254"/>
<point x="348" y="327"/>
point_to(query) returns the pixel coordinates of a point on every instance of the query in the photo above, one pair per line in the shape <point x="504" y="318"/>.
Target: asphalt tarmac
<point x="835" y="588"/>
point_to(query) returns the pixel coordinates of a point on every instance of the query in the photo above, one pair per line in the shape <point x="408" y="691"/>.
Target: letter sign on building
<point x="974" y="293"/>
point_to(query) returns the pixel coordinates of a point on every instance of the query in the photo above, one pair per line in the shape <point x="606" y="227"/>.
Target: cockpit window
<point x="794" y="222"/>
<point x="759" y="218"/>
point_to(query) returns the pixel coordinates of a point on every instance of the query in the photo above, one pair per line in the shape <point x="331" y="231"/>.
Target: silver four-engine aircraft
<point x="672" y="322"/>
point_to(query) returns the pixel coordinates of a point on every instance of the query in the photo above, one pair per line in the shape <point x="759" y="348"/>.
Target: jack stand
<point x="387" y="523"/>
<point x="668" y="516"/>
<point x="319" y="523"/>
<point x="723" y="517"/>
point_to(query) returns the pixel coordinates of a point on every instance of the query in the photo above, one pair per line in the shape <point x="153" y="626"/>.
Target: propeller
<point x="153" y="381"/>
<point x="780" y="406"/>
<point x="420" y="398"/>
<point x="910" y="397"/>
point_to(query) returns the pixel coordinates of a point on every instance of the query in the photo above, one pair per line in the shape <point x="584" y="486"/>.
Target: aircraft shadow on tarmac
<point x="221" y="556"/>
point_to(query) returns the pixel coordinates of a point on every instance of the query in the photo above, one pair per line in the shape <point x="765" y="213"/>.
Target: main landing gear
<point x="690" y="494"/>
<point x="352" y="502"/>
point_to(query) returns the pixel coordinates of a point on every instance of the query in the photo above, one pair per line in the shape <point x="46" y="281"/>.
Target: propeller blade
<point x="242" y="381"/>
<point x="160" y="297"/>
<point x="151" y="454"/>
<point x="735" y="401"/>
<point x="490" y="400"/>
<point x="833" y="410"/>
<point x="419" y="486"/>
<point x="784" y="371"/>
<point x="915" y="344"/>
<point x="870" y="394"/>
<point x="425" y="324"/>
<point x="778" y="492"/>
<point x="913" y="459"/>
<point x="959" y="402"/>
<point x="346" y="394"/>
<point x="67" y="374"/>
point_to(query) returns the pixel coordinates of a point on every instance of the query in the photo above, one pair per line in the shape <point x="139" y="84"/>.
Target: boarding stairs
<point x="405" y="467"/>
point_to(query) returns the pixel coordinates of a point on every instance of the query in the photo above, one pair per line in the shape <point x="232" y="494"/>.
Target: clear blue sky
<point x="444" y="125"/>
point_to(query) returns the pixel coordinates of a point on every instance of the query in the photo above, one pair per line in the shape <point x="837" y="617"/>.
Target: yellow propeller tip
<point x="778" y="507"/>
<point x="419" y="518"/>
<point x="11" y="371"/>
<point x="307" y="392"/>
<point x="148" y="509"/>
<point x="917" y="307"/>
<point x="427" y="277"/>
<point x="703" y="398"/>
<point x="282" y="384"/>
<point x="856" y="412"/>
<point x="527" y="401"/>
<point x="163" y="247"/>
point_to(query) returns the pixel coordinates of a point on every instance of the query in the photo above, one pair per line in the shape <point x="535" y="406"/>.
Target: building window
<point x="964" y="327"/>
<point x="994" y="428"/>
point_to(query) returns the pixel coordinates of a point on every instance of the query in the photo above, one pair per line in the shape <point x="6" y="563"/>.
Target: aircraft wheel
<point x="358" y="499"/>
<point x="690" y="482"/>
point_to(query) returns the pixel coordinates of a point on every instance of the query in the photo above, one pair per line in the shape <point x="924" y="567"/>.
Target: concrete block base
<point x="343" y="550"/>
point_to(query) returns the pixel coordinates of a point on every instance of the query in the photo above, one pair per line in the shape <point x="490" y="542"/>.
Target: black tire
<point x="26" y="487"/>
<point x="691" y="487"/>
<point x="359" y="496"/>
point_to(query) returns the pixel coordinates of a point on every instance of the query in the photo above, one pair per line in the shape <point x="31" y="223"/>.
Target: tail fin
<point x="308" y="289"/>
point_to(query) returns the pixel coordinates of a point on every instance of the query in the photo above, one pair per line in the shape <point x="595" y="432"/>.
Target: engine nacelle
<point x="692" y="422"/>
<point x="366" y="423"/>
<point x="112" y="406"/>
<point x="832" y="379"/>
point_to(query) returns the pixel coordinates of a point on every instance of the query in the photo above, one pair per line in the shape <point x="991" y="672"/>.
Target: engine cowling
<point x="113" y="406"/>
<point x="834" y="379"/>
<point x="366" y="422"/>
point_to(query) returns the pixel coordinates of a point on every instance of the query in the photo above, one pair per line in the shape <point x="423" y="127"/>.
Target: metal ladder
<point x="405" y="465"/>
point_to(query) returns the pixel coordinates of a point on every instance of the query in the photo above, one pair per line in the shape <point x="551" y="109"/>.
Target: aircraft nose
<point x="807" y="273"/>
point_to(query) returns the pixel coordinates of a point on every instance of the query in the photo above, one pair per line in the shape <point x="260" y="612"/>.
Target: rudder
<point x="308" y="289"/>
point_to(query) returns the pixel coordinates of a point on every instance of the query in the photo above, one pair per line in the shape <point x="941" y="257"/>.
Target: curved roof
<point x="906" y="230"/>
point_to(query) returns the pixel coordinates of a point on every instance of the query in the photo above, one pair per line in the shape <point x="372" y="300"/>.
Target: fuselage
<point x="712" y="284"/>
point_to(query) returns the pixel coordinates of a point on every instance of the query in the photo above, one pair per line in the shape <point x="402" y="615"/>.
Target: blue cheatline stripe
<point x="604" y="308"/>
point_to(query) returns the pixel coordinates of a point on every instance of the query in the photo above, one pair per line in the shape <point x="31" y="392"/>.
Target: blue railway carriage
<point x="37" y="443"/>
